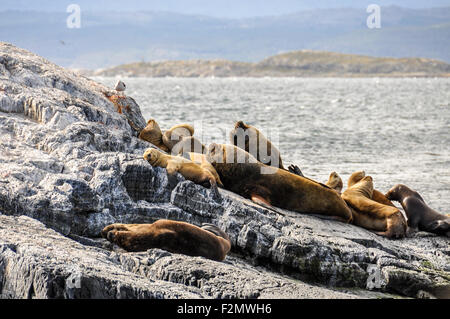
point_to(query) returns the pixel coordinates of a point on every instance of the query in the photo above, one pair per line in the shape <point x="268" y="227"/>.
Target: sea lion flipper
<point x="215" y="230"/>
<point x="172" y="168"/>
<point x="112" y="227"/>
<point x="440" y="227"/>
<point x="266" y="204"/>
<point x="294" y="169"/>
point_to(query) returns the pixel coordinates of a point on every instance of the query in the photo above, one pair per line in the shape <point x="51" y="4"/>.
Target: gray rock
<point x="37" y="262"/>
<point x="69" y="159"/>
<point x="330" y="252"/>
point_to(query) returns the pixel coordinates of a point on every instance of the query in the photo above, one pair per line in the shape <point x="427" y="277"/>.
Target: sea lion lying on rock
<point x="420" y="215"/>
<point x="152" y="134"/>
<point x="174" y="135"/>
<point x="376" y="195"/>
<point x="250" y="139"/>
<point x="201" y="160"/>
<point x="177" y="237"/>
<point x="384" y="220"/>
<point x="273" y="186"/>
<point x="185" y="167"/>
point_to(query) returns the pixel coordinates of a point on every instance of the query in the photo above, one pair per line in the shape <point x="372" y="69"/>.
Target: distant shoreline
<point x="302" y="64"/>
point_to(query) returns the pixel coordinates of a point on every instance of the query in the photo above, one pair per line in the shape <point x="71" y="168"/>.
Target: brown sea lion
<point x="254" y="142"/>
<point x="173" y="135"/>
<point x="188" y="144"/>
<point x="185" y="167"/>
<point x="382" y="219"/>
<point x="152" y="134"/>
<point x="201" y="160"/>
<point x="376" y="195"/>
<point x="335" y="182"/>
<point x="420" y="215"/>
<point x="273" y="186"/>
<point x="174" y="236"/>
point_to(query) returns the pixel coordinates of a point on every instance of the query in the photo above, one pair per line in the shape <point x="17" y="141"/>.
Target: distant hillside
<point x="305" y="63"/>
<point x="108" y="38"/>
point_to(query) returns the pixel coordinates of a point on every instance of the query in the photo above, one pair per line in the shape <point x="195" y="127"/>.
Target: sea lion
<point x="420" y="215"/>
<point x="250" y="139"/>
<point x="173" y="135"/>
<point x="152" y="134"/>
<point x="201" y="160"/>
<point x="335" y="182"/>
<point x="188" y="144"/>
<point x="376" y="195"/>
<point x="185" y="167"/>
<point x="273" y="186"/>
<point x="177" y="237"/>
<point x="384" y="220"/>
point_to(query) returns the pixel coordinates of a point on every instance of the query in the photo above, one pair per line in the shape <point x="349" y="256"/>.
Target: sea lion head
<point x="365" y="186"/>
<point x="335" y="181"/>
<point x="397" y="192"/>
<point x="216" y="153"/>
<point x="240" y="124"/>
<point x="241" y="134"/>
<point x="151" y="133"/>
<point x="152" y="155"/>
<point x="355" y="178"/>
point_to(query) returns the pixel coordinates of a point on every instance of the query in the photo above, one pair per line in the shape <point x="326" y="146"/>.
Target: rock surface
<point x="71" y="160"/>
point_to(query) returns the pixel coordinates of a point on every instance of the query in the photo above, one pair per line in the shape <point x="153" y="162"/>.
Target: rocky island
<point x="304" y="63"/>
<point x="71" y="163"/>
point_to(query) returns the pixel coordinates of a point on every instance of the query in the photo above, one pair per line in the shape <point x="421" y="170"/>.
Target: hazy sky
<point x="221" y="8"/>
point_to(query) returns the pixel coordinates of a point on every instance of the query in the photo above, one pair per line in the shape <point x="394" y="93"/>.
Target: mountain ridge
<point x="301" y="63"/>
<point x="106" y="39"/>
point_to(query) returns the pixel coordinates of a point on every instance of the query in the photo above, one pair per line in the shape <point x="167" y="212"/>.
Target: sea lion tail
<point x="215" y="230"/>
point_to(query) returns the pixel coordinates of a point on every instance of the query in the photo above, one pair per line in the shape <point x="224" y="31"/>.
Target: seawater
<point x="397" y="130"/>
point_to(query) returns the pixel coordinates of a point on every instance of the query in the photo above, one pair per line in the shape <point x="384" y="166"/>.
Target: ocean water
<point x="397" y="130"/>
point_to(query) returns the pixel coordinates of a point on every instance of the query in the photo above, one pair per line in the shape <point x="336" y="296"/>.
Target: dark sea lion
<point x="273" y="186"/>
<point x="254" y="142"/>
<point x="376" y="195"/>
<point x="173" y="135"/>
<point x="173" y="236"/>
<point x="385" y="220"/>
<point x="335" y="182"/>
<point x="185" y="167"/>
<point x="152" y="134"/>
<point x="420" y="215"/>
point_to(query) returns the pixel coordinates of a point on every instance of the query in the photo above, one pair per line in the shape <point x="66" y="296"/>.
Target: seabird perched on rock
<point x="120" y="86"/>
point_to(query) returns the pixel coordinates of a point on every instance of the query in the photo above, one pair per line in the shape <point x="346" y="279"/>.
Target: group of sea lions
<point x="251" y="166"/>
